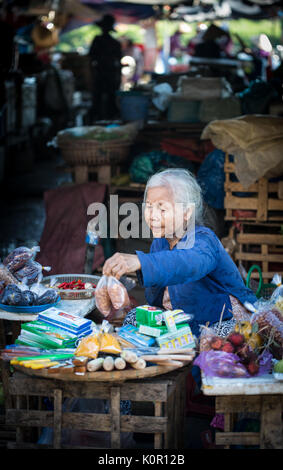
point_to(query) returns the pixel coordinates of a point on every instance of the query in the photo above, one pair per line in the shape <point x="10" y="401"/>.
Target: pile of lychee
<point x="236" y="343"/>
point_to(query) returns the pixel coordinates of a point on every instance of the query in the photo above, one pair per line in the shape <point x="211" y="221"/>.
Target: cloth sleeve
<point x="179" y="266"/>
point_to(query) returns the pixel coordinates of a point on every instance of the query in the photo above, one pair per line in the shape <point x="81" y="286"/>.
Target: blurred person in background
<point x="105" y="54"/>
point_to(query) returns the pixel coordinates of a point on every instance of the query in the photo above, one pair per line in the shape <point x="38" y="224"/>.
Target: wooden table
<point x="166" y="393"/>
<point x="263" y="395"/>
<point x="14" y="321"/>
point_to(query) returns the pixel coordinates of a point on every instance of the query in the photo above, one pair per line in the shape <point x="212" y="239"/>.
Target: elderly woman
<point x="187" y="267"/>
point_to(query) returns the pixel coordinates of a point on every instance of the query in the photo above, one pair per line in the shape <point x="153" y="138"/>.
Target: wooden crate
<point x="261" y="203"/>
<point x="269" y="409"/>
<point x="263" y="249"/>
<point x="166" y="393"/>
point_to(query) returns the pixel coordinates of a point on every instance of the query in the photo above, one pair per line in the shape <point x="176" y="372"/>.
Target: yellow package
<point x="88" y="347"/>
<point x="109" y="344"/>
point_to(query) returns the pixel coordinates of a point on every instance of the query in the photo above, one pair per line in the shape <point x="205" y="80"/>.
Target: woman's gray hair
<point x="184" y="186"/>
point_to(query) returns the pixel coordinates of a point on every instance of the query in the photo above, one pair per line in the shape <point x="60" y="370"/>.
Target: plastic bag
<point x="118" y="293"/>
<point x="162" y="96"/>
<point x="228" y="365"/>
<point x="110" y="294"/>
<point x="206" y="335"/>
<point x="270" y="326"/>
<point x="102" y="298"/>
<point x="108" y="343"/>
<point x="18" y="257"/>
<point x="6" y="277"/>
<point x="277" y="296"/>
<point x="31" y="272"/>
<point x="89" y="346"/>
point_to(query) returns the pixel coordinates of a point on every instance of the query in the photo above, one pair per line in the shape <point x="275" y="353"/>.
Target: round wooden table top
<point x="99" y="376"/>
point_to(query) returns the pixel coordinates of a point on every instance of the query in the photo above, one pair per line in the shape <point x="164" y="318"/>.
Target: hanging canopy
<point x="81" y="12"/>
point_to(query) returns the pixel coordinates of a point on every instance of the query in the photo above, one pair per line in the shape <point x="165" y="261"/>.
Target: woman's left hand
<point x="120" y="264"/>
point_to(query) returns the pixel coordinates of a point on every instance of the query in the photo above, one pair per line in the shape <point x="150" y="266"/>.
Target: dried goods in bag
<point x="12" y="295"/>
<point x="31" y="273"/>
<point x="6" y="277"/>
<point x="118" y="293"/>
<point x="49" y="297"/>
<point x="102" y="298"/>
<point x="108" y="343"/>
<point x="88" y="347"/>
<point x="19" y="257"/>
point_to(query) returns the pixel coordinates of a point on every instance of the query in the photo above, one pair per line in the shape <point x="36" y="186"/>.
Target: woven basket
<point x="92" y="152"/>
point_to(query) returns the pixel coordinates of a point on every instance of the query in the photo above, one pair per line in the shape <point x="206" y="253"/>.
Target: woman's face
<point x="164" y="217"/>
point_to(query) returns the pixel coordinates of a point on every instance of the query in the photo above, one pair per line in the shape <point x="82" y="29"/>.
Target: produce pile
<point x="76" y="284"/>
<point x="249" y="350"/>
<point x="20" y="280"/>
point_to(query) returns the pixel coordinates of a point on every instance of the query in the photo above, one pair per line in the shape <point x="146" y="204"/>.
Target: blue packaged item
<point x="66" y="321"/>
<point x="131" y="333"/>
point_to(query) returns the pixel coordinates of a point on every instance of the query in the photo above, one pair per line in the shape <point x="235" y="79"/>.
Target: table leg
<point x="57" y="425"/>
<point x="81" y="174"/>
<point x="115" y="395"/>
<point x="271" y="428"/>
<point x="158" y="436"/>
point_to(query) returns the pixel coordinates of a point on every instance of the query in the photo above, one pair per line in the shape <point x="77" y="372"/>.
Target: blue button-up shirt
<point x="200" y="278"/>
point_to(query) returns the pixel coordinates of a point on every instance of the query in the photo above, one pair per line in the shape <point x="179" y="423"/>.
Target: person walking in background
<point x="105" y="54"/>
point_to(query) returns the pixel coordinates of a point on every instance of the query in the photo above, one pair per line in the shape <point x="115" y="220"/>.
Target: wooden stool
<point x="166" y="392"/>
<point x="103" y="173"/>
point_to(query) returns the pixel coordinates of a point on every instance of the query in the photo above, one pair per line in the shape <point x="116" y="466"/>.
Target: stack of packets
<point x="54" y="329"/>
<point x="167" y="329"/>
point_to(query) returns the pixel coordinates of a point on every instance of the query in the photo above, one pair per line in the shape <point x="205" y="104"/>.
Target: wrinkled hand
<point x="120" y="264"/>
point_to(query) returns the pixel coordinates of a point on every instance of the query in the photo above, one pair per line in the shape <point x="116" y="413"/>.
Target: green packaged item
<point x="40" y="334"/>
<point x="148" y="315"/>
<point x="182" y="338"/>
<point x="149" y="330"/>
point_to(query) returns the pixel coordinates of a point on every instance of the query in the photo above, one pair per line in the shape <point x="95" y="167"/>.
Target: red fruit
<point x="237" y="339"/>
<point x="216" y="342"/>
<point x="246" y="354"/>
<point x="228" y="347"/>
<point x="252" y="368"/>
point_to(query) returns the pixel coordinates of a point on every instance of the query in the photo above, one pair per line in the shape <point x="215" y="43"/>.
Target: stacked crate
<point x="256" y="216"/>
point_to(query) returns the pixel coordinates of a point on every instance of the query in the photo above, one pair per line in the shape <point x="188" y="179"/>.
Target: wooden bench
<point x="166" y="393"/>
<point x="262" y="395"/>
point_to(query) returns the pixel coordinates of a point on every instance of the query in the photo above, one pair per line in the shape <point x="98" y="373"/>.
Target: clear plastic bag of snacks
<point x="89" y="345"/>
<point x="6" y="277"/>
<point x="206" y="335"/>
<point x="108" y="343"/>
<point x="269" y="322"/>
<point x="19" y="257"/>
<point x="31" y="272"/>
<point x="102" y="299"/>
<point x="118" y="293"/>
<point x="277" y="296"/>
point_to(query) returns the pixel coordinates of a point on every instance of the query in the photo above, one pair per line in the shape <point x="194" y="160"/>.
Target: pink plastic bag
<point x="228" y="365"/>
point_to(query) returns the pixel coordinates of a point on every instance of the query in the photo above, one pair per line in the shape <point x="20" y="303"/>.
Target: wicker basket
<point x="73" y="294"/>
<point x="92" y="152"/>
